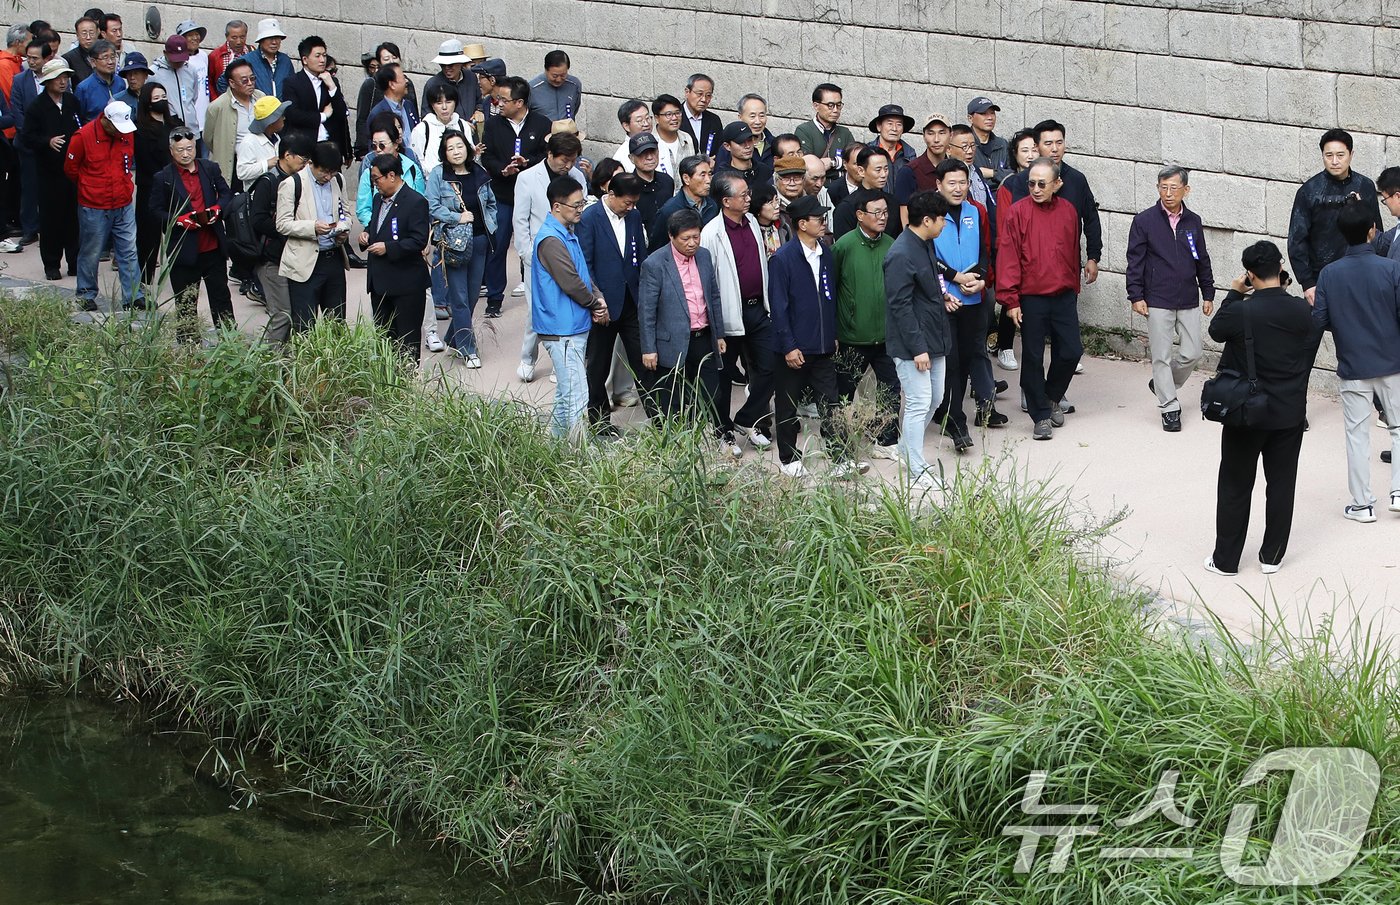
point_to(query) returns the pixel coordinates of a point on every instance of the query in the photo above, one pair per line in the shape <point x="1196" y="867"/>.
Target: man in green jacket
<point x="858" y="259"/>
<point x="823" y="135"/>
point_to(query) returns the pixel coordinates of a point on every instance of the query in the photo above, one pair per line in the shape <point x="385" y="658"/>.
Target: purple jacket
<point x="1169" y="271"/>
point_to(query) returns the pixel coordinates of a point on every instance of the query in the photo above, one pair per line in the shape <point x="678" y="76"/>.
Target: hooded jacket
<point x="1313" y="238"/>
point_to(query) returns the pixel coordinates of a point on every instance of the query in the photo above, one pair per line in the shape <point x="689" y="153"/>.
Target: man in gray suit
<point x="682" y="327"/>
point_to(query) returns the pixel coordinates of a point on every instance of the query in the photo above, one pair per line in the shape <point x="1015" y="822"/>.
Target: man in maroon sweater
<point x="1038" y="283"/>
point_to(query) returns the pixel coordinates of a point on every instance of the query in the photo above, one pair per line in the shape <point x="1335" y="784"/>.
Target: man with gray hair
<point x="697" y="119"/>
<point x="1169" y="280"/>
<point x="235" y="45"/>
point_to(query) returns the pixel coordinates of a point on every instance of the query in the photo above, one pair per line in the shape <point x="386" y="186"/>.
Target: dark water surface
<point x="96" y="809"/>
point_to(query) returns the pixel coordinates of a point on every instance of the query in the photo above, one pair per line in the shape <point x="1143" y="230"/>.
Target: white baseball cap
<point x="120" y="116"/>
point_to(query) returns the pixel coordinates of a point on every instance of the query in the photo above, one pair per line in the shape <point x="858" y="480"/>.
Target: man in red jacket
<point x="101" y="160"/>
<point x="1038" y="283"/>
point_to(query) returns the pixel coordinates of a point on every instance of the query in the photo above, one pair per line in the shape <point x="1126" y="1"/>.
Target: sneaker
<point x="11" y="247"/>
<point x="1395" y="501"/>
<point x="880" y="451"/>
<point x="1079" y="367"/>
<point x="627" y="400"/>
<point x="988" y="416"/>
<point x="1066" y="406"/>
<point x="1364" y="514"/>
<point x="962" y="441"/>
<point x="1006" y="360"/>
<point x="1171" y="422"/>
<point x="482" y="293"/>
<point x="442" y="312"/>
<point x="794" y="469"/>
<point x="848" y="469"/>
<point x="253" y="295"/>
<point x="553" y="378"/>
<point x="493" y="312"/>
<point x="1380" y="419"/>
<point x="28" y="240"/>
<point x="808" y="410"/>
<point x="526" y="372"/>
<point x="1212" y="567"/>
<point x="1001" y="386"/>
<point x="434" y="342"/>
<point x="518" y="291"/>
<point x="1385" y="456"/>
<point x="53" y="275"/>
<point x="1044" y="430"/>
<point x="926" y="482"/>
<point x="87" y="304"/>
<point x="1269" y="568"/>
<point x="730" y="445"/>
<point x="1152" y="385"/>
<point x="757" y="438"/>
<point x="1057" y="415"/>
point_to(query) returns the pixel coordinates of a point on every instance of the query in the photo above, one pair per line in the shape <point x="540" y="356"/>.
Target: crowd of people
<point x="699" y="256"/>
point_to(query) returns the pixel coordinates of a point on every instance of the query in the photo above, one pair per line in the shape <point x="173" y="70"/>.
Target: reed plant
<point x="637" y="669"/>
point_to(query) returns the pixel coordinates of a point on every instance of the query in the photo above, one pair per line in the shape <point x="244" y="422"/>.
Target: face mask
<point x="161" y="107"/>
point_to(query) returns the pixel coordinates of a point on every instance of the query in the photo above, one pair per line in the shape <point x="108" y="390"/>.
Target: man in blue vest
<point x="564" y="303"/>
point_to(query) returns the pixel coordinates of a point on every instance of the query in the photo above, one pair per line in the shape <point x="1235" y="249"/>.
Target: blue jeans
<point x="463" y="287"/>
<point x="571" y="395"/>
<point x="436" y="274"/>
<point x="496" y="266"/>
<point x="920" y="388"/>
<point x="96" y="228"/>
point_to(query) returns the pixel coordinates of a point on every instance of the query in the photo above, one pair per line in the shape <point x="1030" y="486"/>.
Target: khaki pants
<point x="1169" y="372"/>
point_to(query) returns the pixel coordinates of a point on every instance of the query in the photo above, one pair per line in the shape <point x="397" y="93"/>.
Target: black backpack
<point x="244" y="243"/>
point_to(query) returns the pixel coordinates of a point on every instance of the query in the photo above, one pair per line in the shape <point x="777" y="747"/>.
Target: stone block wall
<point x="1237" y="90"/>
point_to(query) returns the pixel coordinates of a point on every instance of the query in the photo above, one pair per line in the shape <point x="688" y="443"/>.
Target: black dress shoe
<point x="1385" y="456"/>
<point x="356" y="262"/>
<point x="28" y="240"/>
<point x="962" y="441"/>
<point x="1001" y="386"/>
<point x="53" y="274"/>
<point x="1171" y="422"/>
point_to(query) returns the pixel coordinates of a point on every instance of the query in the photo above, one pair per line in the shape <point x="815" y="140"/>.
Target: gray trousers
<point x="1169" y="372"/>
<point x="1356" y="415"/>
<point x="278" y="299"/>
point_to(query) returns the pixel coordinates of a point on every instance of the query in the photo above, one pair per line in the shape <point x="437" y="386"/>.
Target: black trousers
<point x="761" y="361"/>
<point x="967" y="361"/>
<point x="815" y="380"/>
<point x="851" y="362"/>
<point x="1055" y="317"/>
<point x="211" y="267"/>
<point x="58" y="221"/>
<point x="602" y="339"/>
<point x="1240" y="451"/>
<point x="148" y="237"/>
<point x="402" y="316"/>
<point x="694" y="384"/>
<point x="323" y="292"/>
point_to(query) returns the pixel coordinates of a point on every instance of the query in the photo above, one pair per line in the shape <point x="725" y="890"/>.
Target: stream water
<point x="94" y="808"/>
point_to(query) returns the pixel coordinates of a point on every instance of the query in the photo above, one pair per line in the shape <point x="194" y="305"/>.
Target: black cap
<point x="981" y="105"/>
<point x="806" y="206"/>
<point x="492" y="66"/>
<point x="641" y="143"/>
<point x="737" y="131"/>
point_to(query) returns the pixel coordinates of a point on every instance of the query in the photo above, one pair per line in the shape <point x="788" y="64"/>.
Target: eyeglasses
<point x="1039" y="183"/>
<point x="790" y="177"/>
<point x="244" y="80"/>
<point x="670" y="114"/>
<point x="577" y="205"/>
<point x="107" y="58"/>
<point x="832" y="105"/>
<point x="378" y="177"/>
<point x="1166" y="189"/>
<point x="382" y="145"/>
<point x="878" y="215"/>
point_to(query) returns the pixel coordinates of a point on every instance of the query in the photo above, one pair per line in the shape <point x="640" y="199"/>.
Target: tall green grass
<point x="642" y="671"/>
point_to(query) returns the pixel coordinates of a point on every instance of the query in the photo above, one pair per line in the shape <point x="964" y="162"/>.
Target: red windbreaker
<point x="102" y="165"/>
<point x="1037" y="250"/>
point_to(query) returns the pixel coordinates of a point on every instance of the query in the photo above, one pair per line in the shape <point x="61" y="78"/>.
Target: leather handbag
<point x="454" y="240"/>
<point x="1232" y="398"/>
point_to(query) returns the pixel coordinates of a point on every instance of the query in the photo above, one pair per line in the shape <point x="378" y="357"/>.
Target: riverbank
<point x="642" y="671"/>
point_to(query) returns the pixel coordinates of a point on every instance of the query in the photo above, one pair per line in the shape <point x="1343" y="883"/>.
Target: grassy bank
<point x="643" y="672"/>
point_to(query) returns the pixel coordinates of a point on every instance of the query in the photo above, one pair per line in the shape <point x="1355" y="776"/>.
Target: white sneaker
<point x="518" y="291"/>
<point x="435" y="343"/>
<point x="926" y="482"/>
<point x="1079" y="367"/>
<point x="526" y="372"/>
<point x="472" y="362"/>
<point x="808" y="410"/>
<point x="848" y="469"/>
<point x="1395" y="501"/>
<point x="890" y="452"/>
<point x="1006" y="359"/>
<point x="1269" y="568"/>
<point x="10" y="247"/>
<point x="794" y="469"/>
<point x="757" y="438"/>
<point x="1212" y="567"/>
<point x="1363" y="514"/>
<point x="729" y="445"/>
<point x="553" y="378"/>
<point x="627" y="400"/>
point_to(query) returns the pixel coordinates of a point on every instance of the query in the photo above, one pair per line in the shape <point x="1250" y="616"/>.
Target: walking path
<point x="1113" y="456"/>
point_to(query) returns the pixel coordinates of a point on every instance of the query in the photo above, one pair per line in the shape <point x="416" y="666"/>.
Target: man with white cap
<point x="454" y="75"/>
<point x="257" y="152"/>
<point x="271" y="67"/>
<point x="198" y="63"/>
<point x="101" y="159"/>
<point x="187" y="92"/>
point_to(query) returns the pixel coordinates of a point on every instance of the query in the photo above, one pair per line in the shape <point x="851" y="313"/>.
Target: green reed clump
<point x="637" y="668"/>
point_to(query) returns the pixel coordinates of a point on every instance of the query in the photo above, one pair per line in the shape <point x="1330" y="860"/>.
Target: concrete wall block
<point x="1115" y="253"/>
<point x="954" y="60"/>
<point x="555" y="21"/>
<point x="1331" y="47"/>
<point x="1141" y="29"/>
<point x="1077" y="117"/>
<point x="832" y="11"/>
<point x="1386" y="52"/>
<point x="772" y="42"/>
<point x="1104" y="304"/>
<point x="612" y="75"/>
<point x="864" y="98"/>
<point x="1278" y="201"/>
<point x="1112" y="182"/>
<point x="1368" y="154"/>
<point x="732" y="80"/>
<point x="1240" y="39"/>
<point x="718" y="37"/>
<point x="902" y="55"/>
<point x="1030" y="69"/>
<point x="1368" y="103"/>
<point x="1359" y="12"/>
<point x="1261" y="149"/>
<point x="1230" y="202"/>
<point x="832" y="48"/>
<point x="1073" y="22"/>
<point x="1203" y="87"/>
<point x="1303" y="98"/>
<point x="1129" y="133"/>
<point x="979" y="17"/>
<point x="1290" y="9"/>
<point x="914" y="15"/>
<point x="790" y="93"/>
<point x="1196" y="142"/>
<point x="1103" y="75"/>
<point x="922" y="100"/>
<point x="1024" y="21"/>
<point x="1211" y="6"/>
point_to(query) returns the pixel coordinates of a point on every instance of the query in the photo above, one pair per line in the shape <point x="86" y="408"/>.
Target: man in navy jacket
<point x="614" y="245"/>
<point x="1169" y="275"/>
<point x="190" y="194"/>
<point x="802" y="302"/>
